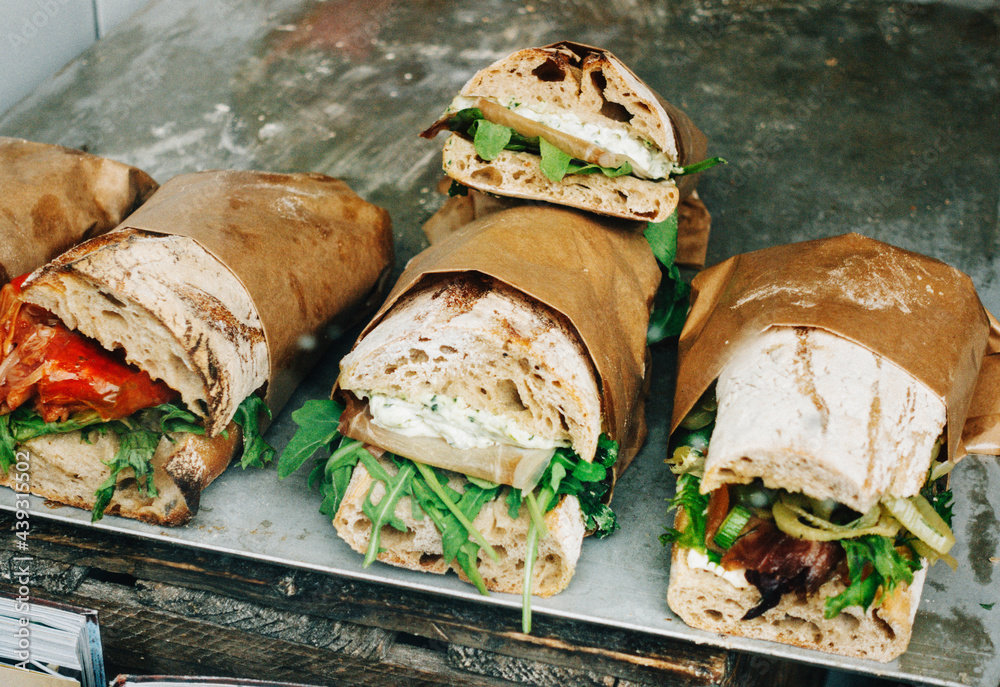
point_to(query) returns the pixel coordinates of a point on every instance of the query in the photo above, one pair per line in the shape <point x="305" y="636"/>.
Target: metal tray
<point x="834" y="118"/>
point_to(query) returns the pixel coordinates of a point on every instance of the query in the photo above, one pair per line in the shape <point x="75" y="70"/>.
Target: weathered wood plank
<point x="578" y="646"/>
<point x="155" y="628"/>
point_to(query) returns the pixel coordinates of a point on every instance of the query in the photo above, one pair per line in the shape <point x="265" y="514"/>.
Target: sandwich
<point x="55" y="197"/>
<point x="572" y="125"/>
<point x="822" y="392"/>
<point x="479" y="422"/>
<point x="135" y="365"/>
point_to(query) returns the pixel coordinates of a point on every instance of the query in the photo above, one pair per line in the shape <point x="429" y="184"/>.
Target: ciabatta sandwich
<point x="572" y="125"/>
<point x="485" y="407"/>
<point x="134" y="365"/>
<point x="52" y="198"/>
<point x="815" y="421"/>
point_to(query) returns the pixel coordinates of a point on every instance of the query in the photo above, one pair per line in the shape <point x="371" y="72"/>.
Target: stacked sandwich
<point x="133" y="365"/>
<point x="481" y="419"/>
<point x="822" y="393"/>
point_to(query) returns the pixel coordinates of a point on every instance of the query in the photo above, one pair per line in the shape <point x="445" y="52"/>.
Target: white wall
<point x="38" y="37"/>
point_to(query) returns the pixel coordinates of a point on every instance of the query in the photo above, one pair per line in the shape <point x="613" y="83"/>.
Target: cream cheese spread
<point x="652" y="162"/>
<point x="697" y="559"/>
<point x="453" y="420"/>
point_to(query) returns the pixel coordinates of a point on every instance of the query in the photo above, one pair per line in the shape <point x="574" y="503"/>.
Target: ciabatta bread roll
<point x="813" y="427"/>
<point x="135" y="365"/>
<point x="589" y="105"/>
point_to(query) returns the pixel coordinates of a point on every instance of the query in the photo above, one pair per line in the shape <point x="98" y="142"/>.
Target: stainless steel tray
<point x="834" y="119"/>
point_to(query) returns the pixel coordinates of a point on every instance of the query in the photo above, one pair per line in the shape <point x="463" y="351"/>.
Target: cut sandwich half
<point x="805" y="510"/>
<point x="474" y="414"/>
<point x="115" y="357"/>
<point x="572" y="125"/>
<point x="481" y="419"/>
<point x="133" y="366"/>
<point x="822" y="391"/>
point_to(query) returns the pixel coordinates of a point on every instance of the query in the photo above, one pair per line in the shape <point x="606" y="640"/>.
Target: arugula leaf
<point x="256" y="451"/>
<point x="581" y="167"/>
<point x="490" y="139"/>
<point x="8" y="447"/>
<point x="462" y="120"/>
<point x="513" y="503"/>
<point x="671" y="305"/>
<point x="555" y="162"/>
<point x="135" y="451"/>
<point x="318" y="420"/>
<point x="696" y="167"/>
<point x="669" y="310"/>
<point x="170" y="418"/>
<point x="940" y="497"/>
<point x="384" y="512"/>
<point x="662" y="238"/>
<point x="988" y="607"/>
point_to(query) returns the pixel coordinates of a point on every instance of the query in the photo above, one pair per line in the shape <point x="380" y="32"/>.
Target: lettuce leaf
<point x="873" y="562"/>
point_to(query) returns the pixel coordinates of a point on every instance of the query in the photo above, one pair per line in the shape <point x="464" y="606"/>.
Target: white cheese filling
<point x="696" y="559"/>
<point x="453" y="420"/>
<point x="616" y="139"/>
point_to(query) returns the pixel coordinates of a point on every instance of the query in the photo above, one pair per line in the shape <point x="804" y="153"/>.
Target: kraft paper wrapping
<point x="982" y="428"/>
<point x="693" y="221"/>
<point x="595" y="271"/>
<point x="53" y="198"/>
<point x="312" y="254"/>
<point x="916" y="311"/>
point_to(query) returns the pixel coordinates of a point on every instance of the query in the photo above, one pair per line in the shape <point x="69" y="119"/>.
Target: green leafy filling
<point x="671" y="305"/>
<point x="695" y="506"/>
<point x="138" y="436"/>
<point x="256" y="451"/>
<point x="452" y="511"/>
<point x="490" y="139"/>
<point x="873" y="561"/>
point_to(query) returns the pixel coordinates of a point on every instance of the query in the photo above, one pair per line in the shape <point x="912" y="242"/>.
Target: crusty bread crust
<point x="592" y="84"/>
<point x="807" y="410"/>
<point x="705" y="601"/>
<point x="69" y="468"/>
<point x="520" y="175"/>
<point x="420" y="548"/>
<point x="489" y="345"/>
<point x="179" y="313"/>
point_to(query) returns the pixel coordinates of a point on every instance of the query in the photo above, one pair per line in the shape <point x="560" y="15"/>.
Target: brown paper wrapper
<point x="55" y="197"/>
<point x="312" y="254"/>
<point x="597" y="272"/>
<point x="914" y="310"/>
<point x="982" y="428"/>
<point x="694" y="222"/>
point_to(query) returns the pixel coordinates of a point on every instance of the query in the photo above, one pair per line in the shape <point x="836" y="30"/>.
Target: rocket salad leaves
<point x="670" y="307"/>
<point x="451" y="510"/>
<point x="138" y="436"/>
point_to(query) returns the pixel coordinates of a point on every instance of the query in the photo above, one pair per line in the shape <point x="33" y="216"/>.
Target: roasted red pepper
<point x="62" y="371"/>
